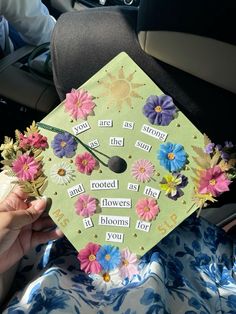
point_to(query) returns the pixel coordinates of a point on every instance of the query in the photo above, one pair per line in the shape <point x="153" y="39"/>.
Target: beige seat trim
<point x="209" y="59"/>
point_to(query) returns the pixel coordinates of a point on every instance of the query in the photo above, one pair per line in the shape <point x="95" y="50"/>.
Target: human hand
<point x="22" y="227"/>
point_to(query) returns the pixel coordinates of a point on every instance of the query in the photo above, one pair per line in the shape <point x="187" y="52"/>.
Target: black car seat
<point x="188" y="48"/>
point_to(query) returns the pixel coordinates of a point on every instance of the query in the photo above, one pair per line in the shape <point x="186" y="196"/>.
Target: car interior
<point x="183" y="48"/>
<point x="187" y="48"/>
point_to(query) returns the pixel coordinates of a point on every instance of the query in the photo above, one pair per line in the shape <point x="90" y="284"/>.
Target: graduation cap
<point x="122" y="165"/>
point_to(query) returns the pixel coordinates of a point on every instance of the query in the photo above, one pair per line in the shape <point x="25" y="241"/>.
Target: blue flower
<point x="50" y="299"/>
<point x="109" y="257"/>
<point x="150" y="297"/>
<point x="64" y="144"/>
<point x="231" y="302"/>
<point x="159" y="110"/>
<point x="172" y="156"/>
<point x="194" y="303"/>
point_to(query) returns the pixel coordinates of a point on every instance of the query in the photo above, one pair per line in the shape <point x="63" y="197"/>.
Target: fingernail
<point x="40" y="204"/>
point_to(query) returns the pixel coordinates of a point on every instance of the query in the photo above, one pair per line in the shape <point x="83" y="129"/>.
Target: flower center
<point x="85" y="204"/>
<point x="158" y="109"/>
<point x="84" y="162"/>
<point x="146" y="209"/>
<point x="107" y="257"/>
<point x="106" y="277"/>
<point x="212" y="182"/>
<point x="26" y="167"/>
<point x="125" y="262"/>
<point x="92" y="257"/>
<point x="63" y="144"/>
<point x="79" y="103"/>
<point x="61" y="172"/>
<point x="141" y="169"/>
<point x="171" y="156"/>
<point x="171" y="185"/>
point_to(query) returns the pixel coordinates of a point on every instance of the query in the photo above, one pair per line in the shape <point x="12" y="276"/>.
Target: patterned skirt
<point x="191" y="271"/>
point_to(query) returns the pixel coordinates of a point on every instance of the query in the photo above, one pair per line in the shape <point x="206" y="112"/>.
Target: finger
<point x="40" y="237"/>
<point x="13" y="202"/>
<point x="43" y="223"/>
<point x="19" y="192"/>
<point x="21" y="218"/>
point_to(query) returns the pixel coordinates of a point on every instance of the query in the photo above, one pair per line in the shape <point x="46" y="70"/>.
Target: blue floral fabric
<point x="191" y="271"/>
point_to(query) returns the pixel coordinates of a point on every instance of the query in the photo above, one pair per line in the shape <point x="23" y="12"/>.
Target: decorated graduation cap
<point x="122" y="165"/>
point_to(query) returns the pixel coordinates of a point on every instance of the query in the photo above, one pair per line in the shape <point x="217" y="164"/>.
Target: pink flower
<point x="24" y="141"/>
<point x="213" y="181"/>
<point x="87" y="258"/>
<point x="129" y="264"/>
<point x="37" y="140"/>
<point x="85" y="163"/>
<point x="79" y="104"/>
<point x="25" y="167"/>
<point x="85" y="205"/>
<point x="142" y="170"/>
<point x="147" y="209"/>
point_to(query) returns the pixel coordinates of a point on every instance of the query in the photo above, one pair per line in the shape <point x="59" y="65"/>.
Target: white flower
<point x="62" y="173"/>
<point x="107" y="280"/>
<point x="9" y="148"/>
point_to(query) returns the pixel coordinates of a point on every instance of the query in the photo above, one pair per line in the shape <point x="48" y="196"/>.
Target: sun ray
<point x="111" y="77"/>
<point x="106" y="84"/>
<point x="135" y="95"/>
<point x="136" y="85"/>
<point x="128" y="101"/>
<point x="121" y="74"/>
<point x="119" y="88"/>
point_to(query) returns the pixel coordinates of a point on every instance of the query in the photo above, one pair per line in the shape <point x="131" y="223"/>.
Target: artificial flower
<point x="26" y="167"/>
<point x="159" y="110"/>
<point x="142" y="170"/>
<point x="172" y="156"/>
<point x="79" y="104"/>
<point x="147" y="209"/>
<point x="9" y="148"/>
<point x="209" y="148"/>
<point x="61" y="173"/>
<point x="128" y="264"/>
<point x="85" y="205"/>
<point x="64" y="144"/>
<point x="229" y="144"/>
<point x="213" y="181"/>
<point x="88" y="260"/>
<point x="85" y="163"/>
<point x="35" y="140"/>
<point x="107" y="280"/>
<point x="109" y="257"/>
<point x="38" y="141"/>
<point x="172" y="184"/>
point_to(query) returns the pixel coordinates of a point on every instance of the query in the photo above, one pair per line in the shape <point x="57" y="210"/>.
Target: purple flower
<point x="219" y="147"/>
<point x="64" y="144"/>
<point x="225" y="156"/>
<point x="172" y="184"/>
<point x="229" y="144"/>
<point x="159" y="110"/>
<point x="208" y="149"/>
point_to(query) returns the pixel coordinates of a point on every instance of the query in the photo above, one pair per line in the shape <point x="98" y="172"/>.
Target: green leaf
<point x="206" y="140"/>
<point x="32" y="129"/>
<point x="215" y="159"/>
<point x="7" y="162"/>
<point x="203" y="163"/>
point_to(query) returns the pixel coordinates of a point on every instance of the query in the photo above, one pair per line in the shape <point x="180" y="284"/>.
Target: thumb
<point x="24" y="217"/>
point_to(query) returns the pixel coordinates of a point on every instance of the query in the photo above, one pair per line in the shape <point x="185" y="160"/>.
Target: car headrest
<point x="195" y="36"/>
